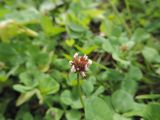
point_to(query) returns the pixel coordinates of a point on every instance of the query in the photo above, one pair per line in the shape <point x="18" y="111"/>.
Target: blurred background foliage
<point x="39" y="37"/>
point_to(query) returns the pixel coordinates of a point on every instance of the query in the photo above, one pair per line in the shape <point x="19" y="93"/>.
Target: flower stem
<point x="79" y="89"/>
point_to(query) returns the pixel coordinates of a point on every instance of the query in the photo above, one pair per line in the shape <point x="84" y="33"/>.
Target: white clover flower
<point x="89" y="62"/>
<point x="80" y="64"/>
<point x="75" y="55"/>
<point x="85" y="57"/>
<point x="73" y="69"/>
<point x="83" y="74"/>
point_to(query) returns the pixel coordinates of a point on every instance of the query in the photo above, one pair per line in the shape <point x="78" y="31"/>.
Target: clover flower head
<point x="80" y="64"/>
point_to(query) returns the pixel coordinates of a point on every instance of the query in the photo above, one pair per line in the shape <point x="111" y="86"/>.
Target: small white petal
<point x="89" y="62"/>
<point x="85" y="57"/>
<point x="70" y="62"/>
<point x="83" y="74"/>
<point x="73" y="69"/>
<point x="86" y="67"/>
<point x="75" y="55"/>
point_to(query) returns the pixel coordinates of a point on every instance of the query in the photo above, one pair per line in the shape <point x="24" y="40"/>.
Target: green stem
<point x="79" y="89"/>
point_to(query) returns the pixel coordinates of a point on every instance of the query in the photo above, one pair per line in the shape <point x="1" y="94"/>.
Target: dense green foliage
<point x="39" y="37"/>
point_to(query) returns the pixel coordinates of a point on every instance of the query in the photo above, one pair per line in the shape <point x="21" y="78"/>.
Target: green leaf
<point x="151" y="54"/>
<point x="27" y="116"/>
<point x="47" y="85"/>
<point x="2" y="117"/>
<point x="30" y="15"/>
<point x="103" y="76"/>
<point x="25" y="97"/>
<point x="76" y="104"/>
<point x="7" y="53"/>
<point x="3" y="76"/>
<point x="53" y="114"/>
<point x="47" y="6"/>
<point x="140" y="35"/>
<point x="97" y="13"/>
<point x="71" y="98"/>
<point x="138" y="110"/>
<point x="10" y="28"/>
<point x="119" y="117"/>
<point x="70" y="42"/>
<point x="48" y="27"/>
<point x="76" y="27"/>
<point x="72" y="81"/>
<point x="116" y="56"/>
<point x="97" y="109"/>
<point x="88" y="86"/>
<point x="114" y="75"/>
<point x="73" y="115"/>
<point x="66" y="97"/>
<point x="152" y="112"/>
<point x="134" y="73"/>
<point x="107" y="46"/>
<point x="148" y="96"/>
<point x="62" y="64"/>
<point x="28" y="78"/>
<point x="106" y="27"/>
<point x="87" y="50"/>
<point x="22" y="88"/>
<point x="129" y="85"/>
<point x="4" y="11"/>
<point x="122" y="101"/>
<point x="99" y="91"/>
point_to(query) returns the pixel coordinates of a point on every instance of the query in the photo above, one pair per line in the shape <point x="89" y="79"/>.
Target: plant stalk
<point x="79" y="89"/>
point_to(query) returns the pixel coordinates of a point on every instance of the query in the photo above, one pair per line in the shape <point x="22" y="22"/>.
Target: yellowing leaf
<point x="10" y="28"/>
